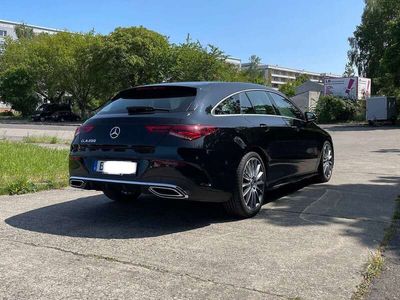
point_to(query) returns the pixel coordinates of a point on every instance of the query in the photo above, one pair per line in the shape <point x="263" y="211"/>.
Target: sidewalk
<point x="387" y="285"/>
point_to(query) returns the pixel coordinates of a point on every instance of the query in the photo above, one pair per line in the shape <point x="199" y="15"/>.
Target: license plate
<point x="116" y="167"/>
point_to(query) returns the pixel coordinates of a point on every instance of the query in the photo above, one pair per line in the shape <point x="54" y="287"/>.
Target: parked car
<point x="62" y="116"/>
<point x="203" y="141"/>
<point x="45" y="111"/>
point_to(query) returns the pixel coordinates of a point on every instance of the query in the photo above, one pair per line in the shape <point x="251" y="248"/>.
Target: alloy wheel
<point x="253" y="183"/>
<point x="327" y="160"/>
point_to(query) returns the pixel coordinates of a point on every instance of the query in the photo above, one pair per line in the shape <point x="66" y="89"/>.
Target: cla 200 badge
<point x="88" y="140"/>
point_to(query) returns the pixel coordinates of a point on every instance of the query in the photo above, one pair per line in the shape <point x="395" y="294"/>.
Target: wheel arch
<point x="264" y="156"/>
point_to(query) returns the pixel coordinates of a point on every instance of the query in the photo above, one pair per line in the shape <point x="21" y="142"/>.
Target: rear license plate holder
<point x="115" y="167"/>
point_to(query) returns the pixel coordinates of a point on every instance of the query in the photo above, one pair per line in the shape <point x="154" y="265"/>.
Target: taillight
<point x="84" y="129"/>
<point x="187" y="132"/>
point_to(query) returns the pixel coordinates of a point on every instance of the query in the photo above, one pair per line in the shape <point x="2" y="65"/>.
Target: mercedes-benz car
<point x="200" y="141"/>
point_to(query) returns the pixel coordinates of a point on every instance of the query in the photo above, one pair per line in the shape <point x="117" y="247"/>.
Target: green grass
<point x="26" y="168"/>
<point x="43" y="139"/>
<point x="373" y="269"/>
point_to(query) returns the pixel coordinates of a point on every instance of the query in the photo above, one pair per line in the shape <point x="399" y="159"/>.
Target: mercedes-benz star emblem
<point x="114" y="132"/>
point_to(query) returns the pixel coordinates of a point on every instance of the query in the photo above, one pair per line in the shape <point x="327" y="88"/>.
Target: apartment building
<point x="278" y="75"/>
<point x="7" y="29"/>
<point x="237" y="62"/>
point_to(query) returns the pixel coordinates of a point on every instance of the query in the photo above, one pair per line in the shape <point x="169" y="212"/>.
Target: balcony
<point x="283" y="76"/>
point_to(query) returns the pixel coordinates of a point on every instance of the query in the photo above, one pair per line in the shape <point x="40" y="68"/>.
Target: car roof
<point x="210" y="93"/>
<point x="214" y="84"/>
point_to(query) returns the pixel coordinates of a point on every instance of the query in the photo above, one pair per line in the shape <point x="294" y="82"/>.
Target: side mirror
<point x="310" y="116"/>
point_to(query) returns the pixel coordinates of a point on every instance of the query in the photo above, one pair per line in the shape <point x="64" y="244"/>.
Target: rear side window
<point x="235" y="104"/>
<point x="164" y="98"/>
<point x="286" y="108"/>
<point x="261" y="102"/>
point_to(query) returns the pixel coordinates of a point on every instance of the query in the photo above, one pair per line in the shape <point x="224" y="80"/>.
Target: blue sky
<point x="304" y="34"/>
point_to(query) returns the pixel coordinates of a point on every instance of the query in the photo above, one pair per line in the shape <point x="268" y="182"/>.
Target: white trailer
<point x="381" y="108"/>
<point x="355" y="88"/>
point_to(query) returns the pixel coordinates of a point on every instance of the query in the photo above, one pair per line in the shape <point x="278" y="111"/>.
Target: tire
<point x="325" y="167"/>
<point x="248" y="195"/>
<point x="118" y="195"/>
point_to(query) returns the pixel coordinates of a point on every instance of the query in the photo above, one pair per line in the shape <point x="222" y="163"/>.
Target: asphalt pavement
<point x="309" y="241"/>
<point x="17" y="131"/>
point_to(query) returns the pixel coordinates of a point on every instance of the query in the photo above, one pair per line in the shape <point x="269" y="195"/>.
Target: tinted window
<point x="261" y="102"/>
<point x="168" y="98"/>
<point x="245" y="104"/>
<point x="285" y="107"/>
<point x="235" y="104"/>
<point x="120" y="106"/>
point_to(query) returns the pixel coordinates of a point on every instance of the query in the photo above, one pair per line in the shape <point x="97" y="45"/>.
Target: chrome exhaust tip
<point x="168" y="192"/>
<point x="77" y="183"/>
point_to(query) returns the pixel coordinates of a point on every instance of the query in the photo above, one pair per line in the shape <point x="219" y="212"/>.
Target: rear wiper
<point x="144" y="109"/>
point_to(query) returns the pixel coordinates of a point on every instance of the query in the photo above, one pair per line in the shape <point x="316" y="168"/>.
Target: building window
<point x="3" y="33"/>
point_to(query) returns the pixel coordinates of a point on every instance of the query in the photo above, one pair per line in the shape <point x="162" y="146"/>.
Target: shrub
<point x="332" y="109"/>
<point x="21" y="186"/>
<point x="17" y="89"/>
<point x="7" y="113"/>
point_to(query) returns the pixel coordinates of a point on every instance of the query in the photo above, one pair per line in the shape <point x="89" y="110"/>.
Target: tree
<point x="189" y="62"/>
<point x="61" y="64"/>
<point x="253" y="72"/>
<point x="17" y="89"/>
<point x="375" y="45"/>
<point x="349" y="70"/>
<point x="289" y="88"/>
<point x="40" y="56"/>
<point x="89" y="68"/>
<point x="23" y="31"/>
<point x="136" y="56"/>
<point x="84" y="70"/>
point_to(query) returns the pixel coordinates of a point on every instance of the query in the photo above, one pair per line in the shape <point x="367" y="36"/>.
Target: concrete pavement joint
<point x="147" y="267"/>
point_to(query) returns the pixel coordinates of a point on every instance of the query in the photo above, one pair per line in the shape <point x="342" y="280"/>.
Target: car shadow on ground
<point x="98" y="217"/>
<point x="351" y="205"/>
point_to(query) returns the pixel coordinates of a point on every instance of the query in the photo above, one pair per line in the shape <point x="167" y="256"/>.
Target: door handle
<point x="264" y="126"/>
<point x="295" y="127"/>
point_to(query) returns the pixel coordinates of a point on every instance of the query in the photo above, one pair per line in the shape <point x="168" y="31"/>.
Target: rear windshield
<point x="164" y="98"/>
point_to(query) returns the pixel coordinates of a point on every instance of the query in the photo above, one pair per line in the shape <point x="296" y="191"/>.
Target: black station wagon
<point x="201" y="141"/>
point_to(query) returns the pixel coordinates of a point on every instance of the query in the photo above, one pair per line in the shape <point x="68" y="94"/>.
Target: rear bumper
<point x="159" y="189"/>
<point x="165" y="179"/>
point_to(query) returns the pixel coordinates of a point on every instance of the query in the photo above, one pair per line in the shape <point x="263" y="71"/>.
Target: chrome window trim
<point x="251" y="115"/>
<point x="235" y="93"/>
